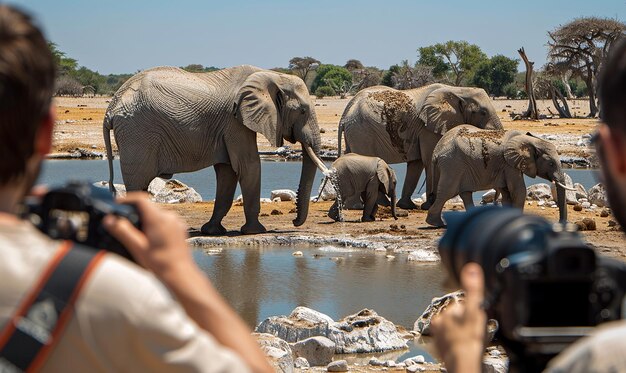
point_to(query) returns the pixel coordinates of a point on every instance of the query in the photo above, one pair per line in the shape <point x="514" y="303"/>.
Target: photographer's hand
<point x="459" y="331"/>
<point x="161" y="248"/>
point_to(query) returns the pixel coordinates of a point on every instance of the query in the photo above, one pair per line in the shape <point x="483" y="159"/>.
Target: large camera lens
<point x="486" y="235"/>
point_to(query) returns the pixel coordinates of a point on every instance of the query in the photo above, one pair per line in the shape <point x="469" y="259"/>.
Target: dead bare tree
<point x="581" y="46"/>
<point x="532" y="111"/>
<point x="544" y="86"/>
<point x="365" y="77"/>
<point x="409" y="77"/>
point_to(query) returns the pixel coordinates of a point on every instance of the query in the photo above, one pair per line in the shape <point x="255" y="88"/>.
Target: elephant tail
<point x="339" y="136"/>
<point x="106" y="132"/>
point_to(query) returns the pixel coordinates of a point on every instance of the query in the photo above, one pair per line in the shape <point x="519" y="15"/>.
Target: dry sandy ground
<point x="79" y="124"/>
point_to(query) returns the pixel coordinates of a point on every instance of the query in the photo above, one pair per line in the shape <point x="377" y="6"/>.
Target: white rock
<point x="172" y="191"/>
<point x="390" y="256"/>
<point x="297" y="253"/>
<point x="423" y="196"/>
<point x="581" y="192"/>
<point x="550" y="137"/>
<point x="337" y="366"/>
<point x="422" y="324"/>
<point x="415" y="368"/>
<point x="375" y="362"/>
<point x="318" y="350"/>
<point x="494" y="353"/>
<point x="489" y="196"/>
<point x="597" y="195"/>
<point x="277" y="199"/>
<point x="539" y="192"/>
<point x="120" y="189"/>
<point x="283" y="194"/>
<point x="239" y="198"/>
<point x="418" y="201"/>
<point x="329" y="193"/>
<point x="265" y="200"/>
<point x="390" y="363"/>
<point x="456" y="200"/>
<point x="278" y="352"/>
<point x="541" y="203"/>
<point x="301" y="362"/>
<point x="363" y="332"/>
<point x="422" y="255"/>
<point x="586" y="205"/>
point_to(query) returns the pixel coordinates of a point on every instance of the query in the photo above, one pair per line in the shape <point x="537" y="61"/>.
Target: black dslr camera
<point x="543" y="284"/>
<point x="75" y="212"/>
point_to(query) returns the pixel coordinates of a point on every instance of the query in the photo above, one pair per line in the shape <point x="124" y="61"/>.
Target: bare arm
<point x="459" y="331"/>
<point x="161" y="248"/>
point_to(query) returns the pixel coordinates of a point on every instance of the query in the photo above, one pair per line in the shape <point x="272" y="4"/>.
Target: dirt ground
<point x="79" y="124"/>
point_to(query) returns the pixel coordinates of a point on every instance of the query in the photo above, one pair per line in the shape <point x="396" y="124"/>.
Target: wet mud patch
<point x="395" y="107"/>
<point x="484" y="136"/>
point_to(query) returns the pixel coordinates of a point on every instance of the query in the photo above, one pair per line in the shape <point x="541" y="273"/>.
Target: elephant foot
<point x="407" y="204"/>
<point x="213" y="229"/>
<point x="365" y="219"/>
<point x="426" y="205"/>
<point x="253" y="228"/>
<point x="435" y="220"/>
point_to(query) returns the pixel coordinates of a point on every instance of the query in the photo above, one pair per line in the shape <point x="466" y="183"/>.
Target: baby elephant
<point x="368" y="178"/>
<point x="468" y="159"/>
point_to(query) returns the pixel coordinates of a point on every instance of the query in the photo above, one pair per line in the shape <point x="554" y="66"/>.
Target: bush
<point x="511" y="91"/>
<point x="324" y="91"/>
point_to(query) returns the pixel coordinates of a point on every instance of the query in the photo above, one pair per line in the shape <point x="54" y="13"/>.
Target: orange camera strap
<point x="40" y="319"/>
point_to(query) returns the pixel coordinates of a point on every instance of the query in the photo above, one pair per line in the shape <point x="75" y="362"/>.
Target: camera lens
<point x="486" y="235"/>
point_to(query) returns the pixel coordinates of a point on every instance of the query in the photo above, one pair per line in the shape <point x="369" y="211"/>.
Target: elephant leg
<point x="506" y="197"/>
<point x="250" y="182"/>
<point x="369" y="202"/>
<point x="224" y="194"/>
<point x="413" y="173"/>
<point x="138" y="175"/>
<point x="383" y="200"/>
<point x="468" y="201"/>
<point x="448" y="187"/>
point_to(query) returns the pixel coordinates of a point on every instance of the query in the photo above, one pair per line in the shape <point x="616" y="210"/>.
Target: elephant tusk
<point x="565" y="187"/>
<point x="316" y="160"/>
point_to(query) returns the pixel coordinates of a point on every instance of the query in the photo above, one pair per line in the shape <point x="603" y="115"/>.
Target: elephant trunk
<point x="393" y="205"/>
<point x="560" y="199"/>
<point x="306" y="183"/>
<point x="494" y="123"/>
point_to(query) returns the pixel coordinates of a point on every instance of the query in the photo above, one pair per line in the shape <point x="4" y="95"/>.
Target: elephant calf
<point x="367" y="178"/>
<point x="468" y="159"/>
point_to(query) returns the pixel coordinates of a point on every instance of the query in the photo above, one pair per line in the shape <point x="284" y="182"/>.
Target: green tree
<point x="87" y="77"/>
<point x="302" y="66"/>
<point x="459" y="57"/>
<point x="495" y="73"/>
<point x="65" y="65"/>
<point x="353" y="64"/>
<point x="333" y="76"/>
<point x="388" y="75"/>
<point x="198" y="68"/>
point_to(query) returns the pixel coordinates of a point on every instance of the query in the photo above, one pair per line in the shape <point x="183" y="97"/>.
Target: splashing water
<point x="334" y="179"/>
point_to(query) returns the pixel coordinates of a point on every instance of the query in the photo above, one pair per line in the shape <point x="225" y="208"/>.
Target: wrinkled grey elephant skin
<point x="468" y="159"/>
<point x="369" y="179"/>
<point x="404" y="126"/>
<point x="167" y="121"/>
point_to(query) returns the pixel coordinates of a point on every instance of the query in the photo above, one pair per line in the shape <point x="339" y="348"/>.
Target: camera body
<point x="543" y="284"/>
<point x="75" y="212"/>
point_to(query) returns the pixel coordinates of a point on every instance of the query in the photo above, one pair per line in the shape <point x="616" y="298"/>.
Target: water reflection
<point x="262" y="282"/>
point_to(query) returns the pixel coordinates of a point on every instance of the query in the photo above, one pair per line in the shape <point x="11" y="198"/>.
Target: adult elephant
<point x="167" y="120"/>
<point x="404" y="126"/>
<point x="468" y="159"/>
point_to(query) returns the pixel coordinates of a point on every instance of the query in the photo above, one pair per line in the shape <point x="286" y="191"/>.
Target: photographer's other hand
<point x="160" y="247"/>
<point x="459" y="330"/>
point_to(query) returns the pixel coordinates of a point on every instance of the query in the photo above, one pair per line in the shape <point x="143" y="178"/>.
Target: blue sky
<point x="114" y="36"/>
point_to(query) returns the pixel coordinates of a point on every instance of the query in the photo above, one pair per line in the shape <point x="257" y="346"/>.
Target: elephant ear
<point x="383" y="175"/>
<point x="519" y="152"/>
<point x="442" y="111"/>
<point x="259" y="104"/>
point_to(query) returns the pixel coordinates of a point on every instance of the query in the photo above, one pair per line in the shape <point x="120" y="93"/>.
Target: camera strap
<point x="40" y="319"/>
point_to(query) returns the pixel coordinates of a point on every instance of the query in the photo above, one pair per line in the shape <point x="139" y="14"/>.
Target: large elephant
<point x="468" y="159"/>
<point x="369" y="179"/>
<point x="404" y="126"/>
<point x="167" y="120"/>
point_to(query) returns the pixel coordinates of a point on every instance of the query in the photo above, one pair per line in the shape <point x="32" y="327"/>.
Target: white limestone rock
<point x="120" y="189"/>
<point x="421" y="255"/>
<point x="337" y="366"/>
<point x="597" y="195"/>
<point x="172" y="191"/>
<point x="328" y="193"/>
<point x="489" y="196"/>
<point x="539" y="192"/>
<point x="318" y="351"/>
<point x="284" y="195"/>
<point x="301" y="324"/>
<point x="581" y="192"/>
<point x="422" y="324"/>
<point x="301" y="362"/>
<point x="365" y="332"/>
<point x="278" y="352"/>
